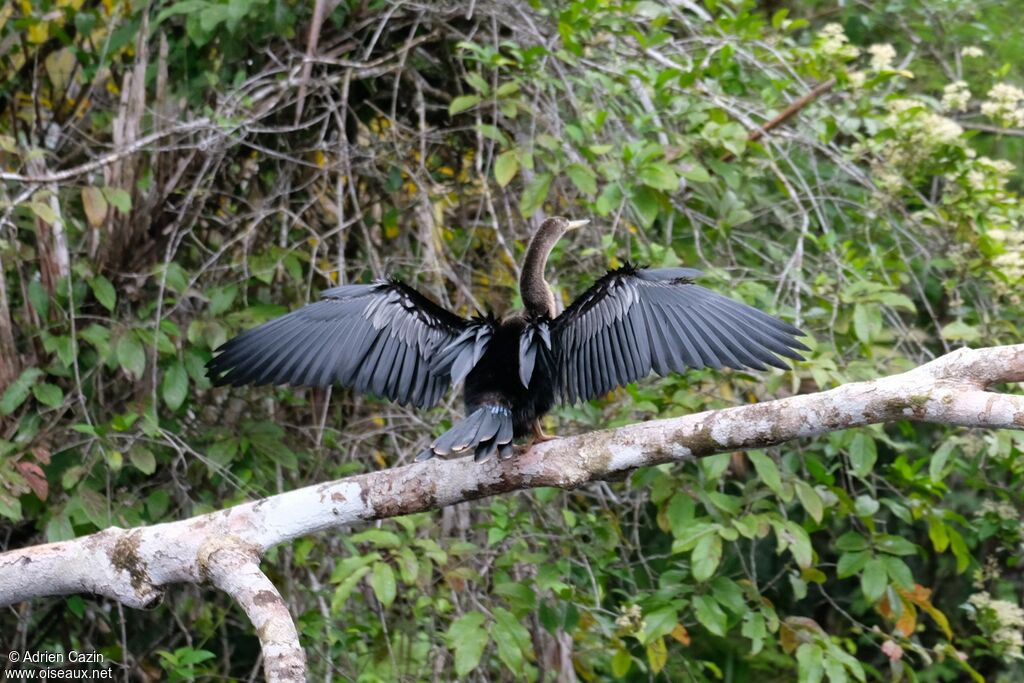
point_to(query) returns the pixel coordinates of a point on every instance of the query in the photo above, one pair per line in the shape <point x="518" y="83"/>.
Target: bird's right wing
<point x="386" y="339"/>
<point x="634" y="320"/>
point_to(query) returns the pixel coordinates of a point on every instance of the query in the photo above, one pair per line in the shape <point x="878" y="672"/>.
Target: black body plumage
<point x="389" y="340"/>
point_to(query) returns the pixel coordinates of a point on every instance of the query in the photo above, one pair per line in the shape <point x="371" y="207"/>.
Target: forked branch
<point x="134" y="566"/>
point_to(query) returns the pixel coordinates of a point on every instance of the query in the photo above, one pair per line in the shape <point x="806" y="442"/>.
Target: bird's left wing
<point x="386" y="339"/>
<point x="634" y="320"/>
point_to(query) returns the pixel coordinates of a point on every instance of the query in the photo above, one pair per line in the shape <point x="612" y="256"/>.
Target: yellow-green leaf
<point x="657" y="655"/>
<point x="103" y="291"/>
<point x="535" y="194"/>
<point x="121" y="200"/>
<point x="175" y="385"/>
<point x="706" y="556"/>
<point x="462" y="103"/>
<point x="382" y="580"/>
<point x="506" y="166"/>
<point x="583" y="178"/>
<point x="660" y="176"/>
<point x="44" y="212"/>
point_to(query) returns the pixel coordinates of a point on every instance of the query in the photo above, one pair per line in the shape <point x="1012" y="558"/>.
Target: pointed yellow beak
<point x="572" y="225"/>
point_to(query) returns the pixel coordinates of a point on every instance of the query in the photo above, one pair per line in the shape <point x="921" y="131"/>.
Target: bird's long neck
<point x="538" y="298"/>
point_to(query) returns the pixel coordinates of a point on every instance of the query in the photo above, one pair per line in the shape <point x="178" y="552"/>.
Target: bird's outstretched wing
<point x="634" y="320"/>
<point x="385" y="339"/>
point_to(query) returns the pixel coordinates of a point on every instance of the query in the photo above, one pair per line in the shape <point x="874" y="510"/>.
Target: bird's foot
<point x="539" y="436"/>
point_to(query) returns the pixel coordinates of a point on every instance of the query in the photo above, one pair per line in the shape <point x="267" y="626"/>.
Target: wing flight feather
<point x="634" y="321"/>
<point x="385" y="338"/>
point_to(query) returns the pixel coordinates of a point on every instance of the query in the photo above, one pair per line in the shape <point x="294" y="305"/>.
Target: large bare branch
<point x="134" y="565"/>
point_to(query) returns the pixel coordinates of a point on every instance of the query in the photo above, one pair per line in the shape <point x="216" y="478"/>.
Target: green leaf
<point x="39" y="297"/>
<point x="899" y="572"/>
<point x="130" y="354"/>
<point x="512" y="639"/>
<point x="383" y="583"/>
<point x="867" y="322"/>
<point x="583" y="178"/>
<point x="491" y="132"/>
<point x="121" y="200"/>
<point x="468" y="639"/>
<point x="44" y="212"/>
<point x="380" y="538"/>
<point x="709" y="614"/>
<point x="647" y="203"/>
<point x="810" y="499"/>
<point x="755" y="628"/>
<point x="851" y="563"/>
<point x="691" y="170"/>
<point x="938" y="533"/>
<point x="345" y="589"/>
<point x="660" y="176"/>
<point x="960" y="551"/>
<point x="767" y="470"/>
<point x="462" y="103"/>
<point x="18" y="391"/>
<point x="938" y="462"/>
<point x="960" y="331"/>
<point x="221" y="298"/>
<point x="621" y="663"/>
<point x="535" y="194"/>
<point x="506" y="89"/>
<point x="49" y="395"/>
<point x="874" y="580"/>
<point x="706" y="556"/>
<point x="103" y="291"/>
<point x="850" y="541"/>
<point x="897" y="300"/>
<point x="809" y="658"/>
<point x="175" y="385"/>
<point x="799" y="544"/>
<point x="478" y="83"/>
<point x="142" y="459"/>
<point x="863" y="454"/>
<point x="895" y="545"/>
<point x="659" y="623"/>
<point x="506" y="166"/>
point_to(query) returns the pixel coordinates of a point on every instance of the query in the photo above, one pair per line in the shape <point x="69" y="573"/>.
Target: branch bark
<point x="134" y="566"/>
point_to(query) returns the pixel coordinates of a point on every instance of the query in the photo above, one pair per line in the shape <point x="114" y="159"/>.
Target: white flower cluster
<point x="956" y="96"/>
<point x="631" y="618"/>
<point x="972" y="51"/>
<point x="1011" y="262"/>
<point x="882" y="56"/>
<point x="921" y="133"/>
<point x="1002" y="621"/>
<point x="1001" y="509"/>
<point x="927" y="129"/>
<point x="832" y="41"/>
<point x="1004" y="105"/>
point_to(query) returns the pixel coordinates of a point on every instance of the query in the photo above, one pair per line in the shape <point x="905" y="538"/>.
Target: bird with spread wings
<point x="389" y="340"/>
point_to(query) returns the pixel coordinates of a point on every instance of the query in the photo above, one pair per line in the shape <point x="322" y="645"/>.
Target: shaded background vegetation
<point x="173" y="173"/>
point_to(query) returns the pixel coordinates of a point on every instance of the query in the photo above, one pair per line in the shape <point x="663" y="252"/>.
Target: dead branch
<point x="134" y="566"/>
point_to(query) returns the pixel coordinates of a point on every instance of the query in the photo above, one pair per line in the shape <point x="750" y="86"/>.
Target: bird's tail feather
<point x="487" y="430"/>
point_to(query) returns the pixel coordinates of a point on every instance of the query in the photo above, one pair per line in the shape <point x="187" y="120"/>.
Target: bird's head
<point x="558" y="226"/>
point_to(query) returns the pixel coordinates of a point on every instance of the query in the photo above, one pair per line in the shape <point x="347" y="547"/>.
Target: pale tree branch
<point x="134" y="565"/>
<point x="234" y="567"/>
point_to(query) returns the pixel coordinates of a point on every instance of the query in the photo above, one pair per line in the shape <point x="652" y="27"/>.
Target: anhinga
<point x="389" y="340"/>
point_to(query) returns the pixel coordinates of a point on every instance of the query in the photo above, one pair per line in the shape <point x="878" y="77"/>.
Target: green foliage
<point x="883" y="218"/>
